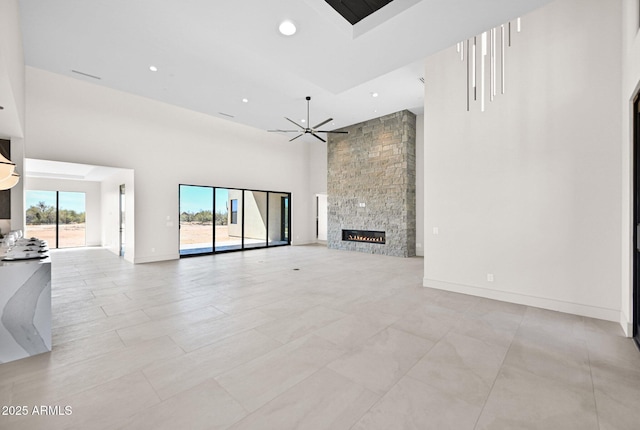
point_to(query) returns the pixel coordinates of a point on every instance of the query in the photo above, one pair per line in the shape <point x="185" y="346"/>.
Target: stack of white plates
<point x="27" y="249"/>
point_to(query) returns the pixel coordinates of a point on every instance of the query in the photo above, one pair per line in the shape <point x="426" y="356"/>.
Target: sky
<point x="195" y="199"/>
<point x="68" y="200"/>
<point x="192" y="199"/>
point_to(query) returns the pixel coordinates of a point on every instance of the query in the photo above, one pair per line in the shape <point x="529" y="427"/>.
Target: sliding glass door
<point x="196" y="220"/>
<point x="255" y="219"/>
<point x="41" y="216"/>
<point x="229" y="212"/>
<point x="278" y="218"/>
<point x="216" y="219"/>
<point x="57" y="217"/>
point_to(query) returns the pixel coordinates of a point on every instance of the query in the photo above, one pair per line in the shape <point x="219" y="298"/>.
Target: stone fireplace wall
<point x="372" y="184"/>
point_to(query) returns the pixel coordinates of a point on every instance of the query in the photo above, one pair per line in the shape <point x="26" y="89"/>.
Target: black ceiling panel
<point x="355" y="10"/>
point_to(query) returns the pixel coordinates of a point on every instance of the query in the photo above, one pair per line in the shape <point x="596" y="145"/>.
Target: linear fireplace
<point x="368" y="236"/>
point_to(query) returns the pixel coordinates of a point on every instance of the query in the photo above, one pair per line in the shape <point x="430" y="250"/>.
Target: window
<point x="57" y="217"/>
<point x="234" y="211"/>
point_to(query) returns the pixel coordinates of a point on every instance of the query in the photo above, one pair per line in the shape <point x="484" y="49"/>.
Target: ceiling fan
<point x="311" y="130"/>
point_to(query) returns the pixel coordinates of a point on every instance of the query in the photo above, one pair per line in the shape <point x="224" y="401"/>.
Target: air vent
<point x="226" y="114"/>
<point x="86" y="74"/>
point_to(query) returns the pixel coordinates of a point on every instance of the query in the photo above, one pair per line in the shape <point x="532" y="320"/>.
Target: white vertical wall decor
<point x="488" y="51"/>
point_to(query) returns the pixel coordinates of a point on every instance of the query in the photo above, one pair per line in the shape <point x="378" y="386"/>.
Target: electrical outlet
<point x="490" y="277"/>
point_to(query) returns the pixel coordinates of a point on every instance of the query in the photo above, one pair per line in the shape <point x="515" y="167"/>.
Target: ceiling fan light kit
<point x="308" y="130"/>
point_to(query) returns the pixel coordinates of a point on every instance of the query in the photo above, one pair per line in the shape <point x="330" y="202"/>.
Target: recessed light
<point x="302" y="120"/>
<point x="374" y="94"/>
<point x="153" y="68"/>
<point x="287" y="28"/>
<point x="245" y="100"/>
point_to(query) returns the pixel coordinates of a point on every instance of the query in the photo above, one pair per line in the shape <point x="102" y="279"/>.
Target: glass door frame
<point x="56" y="245"/>
<point x="241" y="219"/>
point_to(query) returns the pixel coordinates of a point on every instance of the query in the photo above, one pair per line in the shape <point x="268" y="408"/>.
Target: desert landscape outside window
<point x="59" y="217"/>
<point x="215" y="219"/>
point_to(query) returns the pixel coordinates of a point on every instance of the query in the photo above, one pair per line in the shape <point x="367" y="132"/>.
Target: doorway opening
<point x="321" y="217"/>
<point x="122" y="231"/>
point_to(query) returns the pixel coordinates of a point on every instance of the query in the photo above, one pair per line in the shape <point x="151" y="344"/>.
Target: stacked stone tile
<point x="374" y="164"/>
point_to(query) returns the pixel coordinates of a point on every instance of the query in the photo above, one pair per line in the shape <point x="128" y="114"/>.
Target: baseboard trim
<point x="155" y="258"/>
<point x="537" y="302"/>
<point x="626" y="324"/>
<point x="302" y="242"/>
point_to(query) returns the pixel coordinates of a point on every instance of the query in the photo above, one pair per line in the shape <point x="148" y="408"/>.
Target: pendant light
<point x="7" y="167"/>
<point x="9" y="182"/>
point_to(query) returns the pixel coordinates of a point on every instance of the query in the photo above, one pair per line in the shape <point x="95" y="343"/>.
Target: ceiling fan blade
<point x="284" y="131"/>
<point x="318" y="137"/>
<point x="293" y="122"/>
<point x="329" y="131"/>
<point x="290" y="140"/>
<point x="323" y="123"/>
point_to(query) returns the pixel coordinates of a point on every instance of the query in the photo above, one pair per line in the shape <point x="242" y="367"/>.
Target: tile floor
<point x="310" y="338"/>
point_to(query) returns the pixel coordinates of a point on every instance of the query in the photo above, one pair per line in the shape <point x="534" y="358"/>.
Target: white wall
<point x="317" y="179"/>
<point x="630" y="87"/>
<point x="12" y="89"/>
<point x="92" y="202"/>
<point x="12" y="81"/>
<point x="317" y="167"/>
<point x="529" y="190"/>
<point x="75" y="121"/>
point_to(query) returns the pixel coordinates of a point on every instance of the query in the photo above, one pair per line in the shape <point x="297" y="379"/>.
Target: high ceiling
<point x="211" y="55"/>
